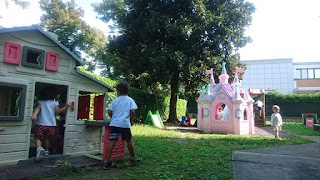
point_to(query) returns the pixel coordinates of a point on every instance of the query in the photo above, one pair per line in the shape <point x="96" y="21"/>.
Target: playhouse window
<point x="12" y="101"/>
<point x="222" y="113"/>
<point x="91" y="106"/>
<point x="245" y="115"/>
<point x="32" y="57"/>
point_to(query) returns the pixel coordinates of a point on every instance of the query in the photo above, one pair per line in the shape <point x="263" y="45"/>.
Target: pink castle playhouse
<point x="225" y="108"/>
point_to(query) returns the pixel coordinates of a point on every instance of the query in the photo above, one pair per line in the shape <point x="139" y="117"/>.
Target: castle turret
<point x="212" y="82"/>
<point x="224" y="77"/>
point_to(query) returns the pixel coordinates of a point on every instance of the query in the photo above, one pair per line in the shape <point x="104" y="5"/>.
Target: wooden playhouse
<point x="31" y="59"/>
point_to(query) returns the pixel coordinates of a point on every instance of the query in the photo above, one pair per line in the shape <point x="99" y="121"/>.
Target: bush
<point x="154" y="102"/>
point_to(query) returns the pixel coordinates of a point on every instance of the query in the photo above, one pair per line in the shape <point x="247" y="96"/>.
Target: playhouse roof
<point x="36" y="27"/>
<point x="226" y="88"/>
<point x="50" y="37"/>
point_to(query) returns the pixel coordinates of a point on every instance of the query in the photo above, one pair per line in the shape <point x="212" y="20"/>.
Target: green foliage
<point x="107" y="81"/>
<point x="154" y="102"/>
<point x="277" y="98"/>
<point x="64" y="19"/>
<point x="181" y="108"/>
<point x="299" y="129"/>
<point x="174" y="42"/>
<point x="22" y="4"/>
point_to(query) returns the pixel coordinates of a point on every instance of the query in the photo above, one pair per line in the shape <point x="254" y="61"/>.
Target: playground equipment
<point x="309" y="119"/>
<point x="154" y="119"/>
<point x="259" y="119"/>
<point x="235" y="100"/>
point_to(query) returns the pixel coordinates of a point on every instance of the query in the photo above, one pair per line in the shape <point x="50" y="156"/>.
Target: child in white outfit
<point x="276" y="120"/>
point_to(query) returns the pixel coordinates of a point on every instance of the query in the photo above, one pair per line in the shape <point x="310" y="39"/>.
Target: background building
<point x="306" y="77"/>
<point x="271" y="74"/>
<point x="282" y="75"/>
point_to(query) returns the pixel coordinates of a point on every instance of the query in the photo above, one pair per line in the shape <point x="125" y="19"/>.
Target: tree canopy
<point x="64" y="19"/>
<point x="173" y="42"/>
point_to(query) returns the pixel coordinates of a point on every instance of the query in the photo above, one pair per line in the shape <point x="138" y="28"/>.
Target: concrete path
<point x="292" y="162"/>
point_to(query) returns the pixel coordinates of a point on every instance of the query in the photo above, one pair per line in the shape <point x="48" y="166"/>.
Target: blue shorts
<point x="124" y="132"/>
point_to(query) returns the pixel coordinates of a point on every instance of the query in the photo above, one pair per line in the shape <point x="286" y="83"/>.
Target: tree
<point x="174" y="42"/>
<point x="22" y="4"/>
<point x="64" y="19"/>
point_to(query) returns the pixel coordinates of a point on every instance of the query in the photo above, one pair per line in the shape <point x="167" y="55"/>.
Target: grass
<point x="299" y="129"/>
<point x="184" y="155"/>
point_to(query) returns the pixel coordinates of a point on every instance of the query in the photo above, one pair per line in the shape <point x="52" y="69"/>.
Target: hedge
<point x="293" y="105"/>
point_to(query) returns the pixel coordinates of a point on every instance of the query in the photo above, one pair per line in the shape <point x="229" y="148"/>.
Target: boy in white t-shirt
<point x="121" y="111"/>
<point x="45" y="120"/>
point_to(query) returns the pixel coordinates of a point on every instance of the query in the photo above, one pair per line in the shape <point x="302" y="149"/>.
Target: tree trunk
<point x="174" y="83"/>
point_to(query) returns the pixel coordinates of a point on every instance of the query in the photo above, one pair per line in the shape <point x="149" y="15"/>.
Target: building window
<point x="316" y="73"/>
<point x="310" y="73"/>
<point x="33" y="57"/>
<point x="307" y="73"/>
<point x="12" y="101"/>
<point x="298" y="74"/>
<point x="304" y="73"/>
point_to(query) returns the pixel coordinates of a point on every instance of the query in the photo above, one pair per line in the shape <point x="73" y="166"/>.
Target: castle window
<point x="222" y="112"/>
<point x="33" y="57"/>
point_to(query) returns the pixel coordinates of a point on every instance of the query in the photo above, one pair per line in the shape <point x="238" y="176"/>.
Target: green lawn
<point x="184" y="155"/>
<point x="296" y="128"/>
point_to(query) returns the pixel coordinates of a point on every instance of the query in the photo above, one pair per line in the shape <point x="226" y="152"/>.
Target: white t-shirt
<point x="276" y="119"/>
<point x="259" y="104"/>
<point x="47" y="115"/>
<point x="120" y="108"/>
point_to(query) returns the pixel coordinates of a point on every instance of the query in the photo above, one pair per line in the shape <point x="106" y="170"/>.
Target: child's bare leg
<point x="37" y="141"/>
<point x="276" y="133"/>
<point x="131" y="148"/>
<point x="47" y="141"/>
<point x="110" y="149"/>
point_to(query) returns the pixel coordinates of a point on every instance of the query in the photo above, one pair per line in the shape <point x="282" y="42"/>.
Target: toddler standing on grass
<point x="276" y="120"/>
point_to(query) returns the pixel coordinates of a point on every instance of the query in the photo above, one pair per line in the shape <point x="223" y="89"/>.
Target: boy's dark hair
<point x="123" y="88"/>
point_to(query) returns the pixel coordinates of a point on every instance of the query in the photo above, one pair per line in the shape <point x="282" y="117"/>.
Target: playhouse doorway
<point x="57" y="140"/>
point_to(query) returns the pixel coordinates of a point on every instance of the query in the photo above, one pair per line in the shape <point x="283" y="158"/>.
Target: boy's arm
<point x="58" y="110"/>
<point x="110" y="113"/>
<point x="132" y="112"/>
<point x="36" y="112"/>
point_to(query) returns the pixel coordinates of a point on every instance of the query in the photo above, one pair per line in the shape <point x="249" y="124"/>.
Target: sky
<point x="279" y="29"/>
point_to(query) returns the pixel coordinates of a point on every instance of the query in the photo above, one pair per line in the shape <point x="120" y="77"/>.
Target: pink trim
<point x="12" y="53"/>
<point x="52" y="61"/>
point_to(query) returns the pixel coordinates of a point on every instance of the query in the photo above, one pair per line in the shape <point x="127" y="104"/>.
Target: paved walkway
<point x="292" y="162"/>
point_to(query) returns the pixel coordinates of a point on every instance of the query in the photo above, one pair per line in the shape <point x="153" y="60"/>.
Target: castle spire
<point x="224" y="77"/>
<point x="212" y="82"/>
